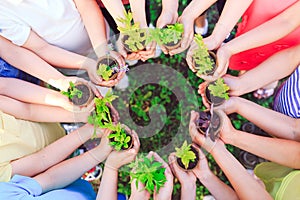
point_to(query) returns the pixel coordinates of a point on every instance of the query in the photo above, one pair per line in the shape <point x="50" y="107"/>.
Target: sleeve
<point x="14" y="30"/>
<point x="5" y="172"/>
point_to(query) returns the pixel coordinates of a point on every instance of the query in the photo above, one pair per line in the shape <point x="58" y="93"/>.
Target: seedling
<point x="172" y="34"/>
<point x="72" y="91"/>
<point x="186" y="155"/>
<point x="219" y="89"/>
<point x="101" y="117"/>
<point x="148" y="172"/>
<point x="204" y="63"/>
<point x="119" y="139"/>
<point x="104" y="71"/>
<point x="134" y="37"/>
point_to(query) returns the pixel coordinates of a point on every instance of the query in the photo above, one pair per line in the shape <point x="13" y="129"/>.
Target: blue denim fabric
<point x="7" y="70"/>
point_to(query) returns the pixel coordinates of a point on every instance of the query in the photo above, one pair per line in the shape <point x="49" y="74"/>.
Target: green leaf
<point x="219" y="89"/>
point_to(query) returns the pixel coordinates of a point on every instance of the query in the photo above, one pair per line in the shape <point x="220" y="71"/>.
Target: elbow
<point x="296" y="130"/>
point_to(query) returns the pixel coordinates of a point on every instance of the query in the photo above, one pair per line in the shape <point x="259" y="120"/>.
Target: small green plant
<point x="171" y="34"/>
<point x="203" y="62"/>
<point x="219" y="89"/>
<point x="135" y="38"/>
<point x="119" y="138"/>
<point x="148" y="172"/>
<point x="185" y="154"/>
<point x="72" y="91"/>
<point x="104" y="71"/>
<point x="102" y="117"/>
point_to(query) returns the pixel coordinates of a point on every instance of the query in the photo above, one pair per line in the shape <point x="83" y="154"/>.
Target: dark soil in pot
<point x="128" y="50"/>
<point x="87" y="95"/>
<point x="192" y="165"/>
<point x="204" y="121"/>
<point x="213" y="99"/>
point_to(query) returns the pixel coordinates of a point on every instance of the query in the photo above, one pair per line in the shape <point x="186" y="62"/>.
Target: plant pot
<point x="127" y="48"/>
<point x="87" y="95"/>
<point x="211" y="98"/>
<point x="130" y="143"/>
<point x="192" y="165"/>
<point x="215" y="66"/>
<point x="171" y="45"/>
<point x="204" y="121"/>
<point x="111" y="62"/>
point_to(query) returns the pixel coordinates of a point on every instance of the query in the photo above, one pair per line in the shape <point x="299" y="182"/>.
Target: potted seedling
<point x="107" y="67"/>
<point x="120" y="138"/>
<point x="79" y="93"/>
<point x="204" y="61"/>
<point x="149" y="172"/>
<point x="134" y="38"/>
<point x="216" y="92"/>
<point x="187" y="156"/>
<point x="209" y="123"/>
<point x="171" y="35"/>
<point x="102" y="117"/>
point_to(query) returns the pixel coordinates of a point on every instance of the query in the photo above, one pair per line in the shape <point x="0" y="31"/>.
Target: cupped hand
<point x="227" y="131"/>
<point x="138" y="193"/>
<point x="116" y="159"/>
<point x="234" y="83"/>
<point x="223" y="56"/>
<point x="201" y="91"/>
<point x="184" y="177"/>
<point x="202" y="168"/>
<point x="189" y="56"/>
<point x="149" y="52"/>
<point x="187" y="37"/>
<point x="165" y="192"/>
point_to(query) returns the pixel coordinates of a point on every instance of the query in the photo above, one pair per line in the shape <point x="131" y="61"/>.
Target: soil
<point x="87" y="95"/>
<point x="213" y="99"/>
<point x="204" y="121"/>
<point x="128" y="50"/>
<point x="111" y="62"/>
<point x="213" y="57"/>
<point x="192" y="165"/>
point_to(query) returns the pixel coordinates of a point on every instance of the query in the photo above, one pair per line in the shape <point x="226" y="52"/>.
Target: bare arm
<point x="275" y="68"/>
<point x="94" y="22"/>
<point x="115" y="9"/>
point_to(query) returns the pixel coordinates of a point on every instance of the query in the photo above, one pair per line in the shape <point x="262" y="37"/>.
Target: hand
<point x="189" y="56"/>
<point x="223" y="56"/>
<point x="165" y="18"/>
<point x="234" y="83"/>
<point x="227" y="131"/>
<point x="165" y="191"/>
<point x="185" y="178"/>
<point x="90" y="66"/>
<point x="201" y="91"/>
<point x="211" y="42"/>
<point x="114" y="113"/>
<point x="187" y="37"/>
<point x="104" y="144"/>
<point x="230" y="105"/>
<point x="149" y="53"/>
<point x="119" y="158"/>
<point x="123" y="52"/>
<point x="139" y="193"/>
<point x="202" y="169"/>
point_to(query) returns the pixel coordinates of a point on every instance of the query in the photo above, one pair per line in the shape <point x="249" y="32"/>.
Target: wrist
<point x="204" y="176"/>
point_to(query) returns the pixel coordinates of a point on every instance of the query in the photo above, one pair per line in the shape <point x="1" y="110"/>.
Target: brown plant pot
<point x="130" y="143"/>
<point x="211" y="98"/>
<point x="213" y="57"/>
<point x="111" y="62"/>
<point x="128" y="50"/>
<point x="170" y="46"/>
<point x="204" y="120"/>
<point x="87" y="95"/>
<point x="192" y="165"/>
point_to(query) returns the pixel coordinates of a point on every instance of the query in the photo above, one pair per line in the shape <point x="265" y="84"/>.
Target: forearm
<point x="138" y="12"/>
<point x="239" y="178"/>
<point x="281" y="151"/>
<point x="68" y="171"/>
<point x="109" y="184"/>
<point x="216" y="187"/>
<point x="115" y="9"/>
<point x="94" y="22"/>
<point x="52" y="154"/>
<point x="232" y="12"/>
<point x="274" y="123"/>
<point x="278" y="66"/>
<point x="188" y="191"/>
<point x="196" y="8"/>
<point x="268" y="32"/>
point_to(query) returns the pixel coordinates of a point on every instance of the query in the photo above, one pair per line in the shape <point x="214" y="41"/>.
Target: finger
<point x="185" y="42"/>
<point x="136" y="140"/>
<point x="164" y="49"/>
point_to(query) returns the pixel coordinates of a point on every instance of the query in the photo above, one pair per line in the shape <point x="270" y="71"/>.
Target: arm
<point x="115" y="8"/>
<point x="275" y="68"/>
<point x="53" y="153"/>
<point x="239" y="178"/>
<point x="41" y="113"/>
<point x="138" y="12"/>
<point x="281" y="151"/>
<point x="66" y="172"/>
<point x="94" y="22"/>
<point x="108" y="188"/>
<point x="61" y="58"/>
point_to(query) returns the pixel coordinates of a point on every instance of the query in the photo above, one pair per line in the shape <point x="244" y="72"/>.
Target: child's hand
<point x="114" y="113"/>
<point x="119" y="158"/>
<point x="185" y="178"/>
<point x="201" y="91"/>
<point x="165" y="191"/>
<point x="149" y="52"/>
<point x="223" y="55"/>
<point x="138" y="193"/>
<point x="227" y="131"/>
<point x="235" y="85"/>
<point x="202" y="169"/>
<point x="230" y="105"/>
